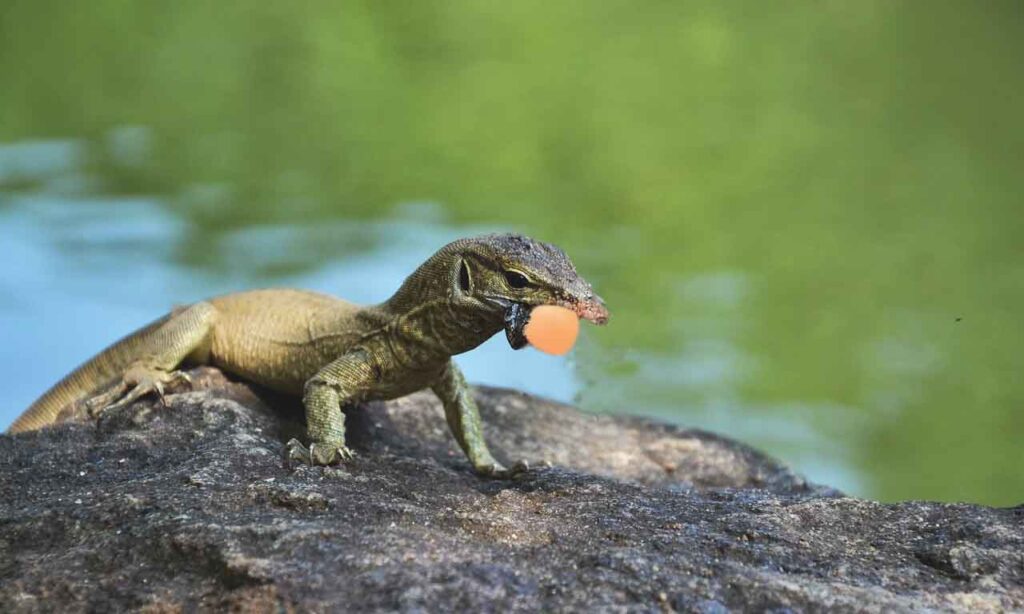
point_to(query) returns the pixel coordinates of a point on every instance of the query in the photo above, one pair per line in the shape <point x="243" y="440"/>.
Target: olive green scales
<point x="335" y="353"/>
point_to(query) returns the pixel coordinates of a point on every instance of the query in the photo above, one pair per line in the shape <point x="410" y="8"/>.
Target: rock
<point x="190" y="506"/>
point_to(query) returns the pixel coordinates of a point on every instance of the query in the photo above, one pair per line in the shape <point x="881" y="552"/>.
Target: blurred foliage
<point x="853" y="167"/>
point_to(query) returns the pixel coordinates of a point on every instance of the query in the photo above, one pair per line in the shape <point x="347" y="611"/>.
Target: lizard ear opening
<point x="465" y="283"/>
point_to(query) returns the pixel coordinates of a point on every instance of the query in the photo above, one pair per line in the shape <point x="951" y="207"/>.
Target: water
<point x="806" y="220"/>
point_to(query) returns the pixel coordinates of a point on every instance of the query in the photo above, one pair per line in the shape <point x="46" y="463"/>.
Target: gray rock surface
<point x="190" y="506"/>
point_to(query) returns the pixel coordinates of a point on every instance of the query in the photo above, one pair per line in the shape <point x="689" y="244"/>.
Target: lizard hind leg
<point x="186" y="333"/>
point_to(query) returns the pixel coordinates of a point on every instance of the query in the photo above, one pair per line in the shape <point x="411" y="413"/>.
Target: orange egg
<point x="552" y="329"/>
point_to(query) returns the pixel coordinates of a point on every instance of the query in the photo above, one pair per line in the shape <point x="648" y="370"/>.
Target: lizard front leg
<point x="464" y="421"/>
<point x="340" y="383"/>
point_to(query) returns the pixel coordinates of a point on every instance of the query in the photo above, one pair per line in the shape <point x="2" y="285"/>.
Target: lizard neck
<point x="431" y="315"/>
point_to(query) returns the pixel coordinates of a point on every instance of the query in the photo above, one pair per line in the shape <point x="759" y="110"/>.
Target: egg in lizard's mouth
<point x="552" y="329"/>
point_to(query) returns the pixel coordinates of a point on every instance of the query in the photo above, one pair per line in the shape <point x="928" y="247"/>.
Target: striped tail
<point x="86" y="380"/>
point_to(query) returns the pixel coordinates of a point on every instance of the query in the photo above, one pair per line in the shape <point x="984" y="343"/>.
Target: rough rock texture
<point x="190" y="507"/>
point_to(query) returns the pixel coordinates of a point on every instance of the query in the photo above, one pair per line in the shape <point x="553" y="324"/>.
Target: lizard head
<point x="515" y="273"/>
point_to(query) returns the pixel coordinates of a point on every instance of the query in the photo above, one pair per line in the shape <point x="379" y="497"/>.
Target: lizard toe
<point x="140" y="390"/>
<point x="329" y="454"/>
<point x="317" y="454"/>
<point x="175" y="378"/>
<point x="520" y="466"/>
<point x="295" y="451"/>
<point x="500" y="472"/>
<point x="94" y="406"/>
<point x="136" y="383"/>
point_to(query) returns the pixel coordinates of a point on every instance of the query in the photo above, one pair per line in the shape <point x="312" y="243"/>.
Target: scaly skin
<point x="335" y="353"/>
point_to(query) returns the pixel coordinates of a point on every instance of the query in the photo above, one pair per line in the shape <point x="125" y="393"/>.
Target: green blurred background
<point x="805" y="216"/>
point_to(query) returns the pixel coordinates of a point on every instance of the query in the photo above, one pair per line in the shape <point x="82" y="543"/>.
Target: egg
<point x="552" y="329"/>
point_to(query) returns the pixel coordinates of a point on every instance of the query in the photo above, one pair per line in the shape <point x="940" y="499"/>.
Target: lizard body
<point x="336" y="353"/>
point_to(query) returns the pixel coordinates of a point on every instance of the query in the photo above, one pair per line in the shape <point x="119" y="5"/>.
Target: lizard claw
<point x="172" y="379"/>
<point x="181" y="377"/>
<point x="317" y="454"/>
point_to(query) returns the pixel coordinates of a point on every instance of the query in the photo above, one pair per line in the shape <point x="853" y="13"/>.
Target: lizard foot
<point x="499" y="472"/>
<point x="317" y="454"/>
<point x="133" y="385"/>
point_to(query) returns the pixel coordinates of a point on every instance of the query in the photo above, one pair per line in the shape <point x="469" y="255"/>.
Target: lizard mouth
<point x="516" y="317"/>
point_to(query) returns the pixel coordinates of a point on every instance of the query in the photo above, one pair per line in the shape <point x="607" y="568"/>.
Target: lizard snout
<point x="591" y="309"/>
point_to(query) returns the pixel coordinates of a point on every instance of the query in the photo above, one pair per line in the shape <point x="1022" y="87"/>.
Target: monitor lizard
<point x="335" y="353"/>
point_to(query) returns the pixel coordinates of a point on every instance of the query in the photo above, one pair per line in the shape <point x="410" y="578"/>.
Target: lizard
<point x="335" y="353"/>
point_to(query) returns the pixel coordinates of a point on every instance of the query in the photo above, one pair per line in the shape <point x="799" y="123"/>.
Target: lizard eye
<point x="464" y="281"/>
<point x="516" y="279"/>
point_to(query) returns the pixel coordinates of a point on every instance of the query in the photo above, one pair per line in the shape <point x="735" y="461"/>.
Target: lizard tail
<point x="86" y="380"/>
